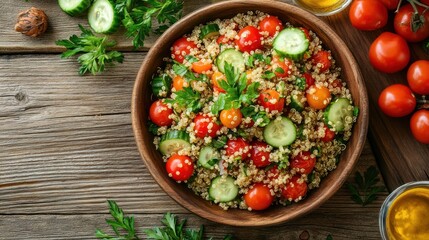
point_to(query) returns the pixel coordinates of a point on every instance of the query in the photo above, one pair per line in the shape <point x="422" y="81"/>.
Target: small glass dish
<point x="323" y="7"/>
<point x="388" y="202"/>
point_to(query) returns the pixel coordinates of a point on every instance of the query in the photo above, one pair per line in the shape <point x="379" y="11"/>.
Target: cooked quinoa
<point x="274" y="169"/>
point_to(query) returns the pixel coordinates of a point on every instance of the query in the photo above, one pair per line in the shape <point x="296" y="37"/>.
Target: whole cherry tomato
<point x="397" y="100"/>
<point x="368" y="14"/>
<point x="231" y="118"/>
<point x="271" y="24"/>
<point x="295" y="189"/>
<point x="318" y="97"/>
<point x="238" y="145"/>
<point x="418" y="77"/>
<point x="390" y="4"/>
<point x="389" y="53"/>
<point x="322" y="59"/>
<point x="205" y="126"/>
<point x="258" y="197"/>
<point x="159" y="113"/>
<point x="280" y="66"/>
<point x="419" y="125"/>
<point x="403" y="24"/>
<point x="260" y="154"/>
<point x="249" y="39"/>
<point x="271" y="99"/>
<point x="181" y="48"/>
<point x="304" y="162"/>
<point x="179" y="167"/>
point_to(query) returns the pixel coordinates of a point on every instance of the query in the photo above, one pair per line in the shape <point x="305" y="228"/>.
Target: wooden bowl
<point x="141" y="101"/>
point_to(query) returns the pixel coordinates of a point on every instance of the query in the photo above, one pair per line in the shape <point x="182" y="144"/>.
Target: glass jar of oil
<point x="323" y="7"/>
<point x="404" y="214"/>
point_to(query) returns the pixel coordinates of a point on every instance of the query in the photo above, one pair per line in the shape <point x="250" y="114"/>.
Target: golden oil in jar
<point x="408" y="215"/>
<point x="323" y="7"/>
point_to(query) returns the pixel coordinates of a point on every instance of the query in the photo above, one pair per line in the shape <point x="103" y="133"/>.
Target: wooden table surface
<point x="66" y="145"/>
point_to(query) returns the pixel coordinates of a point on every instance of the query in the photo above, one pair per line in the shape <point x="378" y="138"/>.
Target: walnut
<point x="32" y="22"/>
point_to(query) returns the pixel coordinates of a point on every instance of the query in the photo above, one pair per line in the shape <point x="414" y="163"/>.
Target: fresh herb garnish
<point x="253" y="112"/>
<point x="364" y="191"/>
<point x="153" y="128"/>
<point x="220" y="142"/>
<point x="94" y="50"/>
<point x="301" y="83"/>
<point x="187" y="98"/>
<point x="268" y="75"/>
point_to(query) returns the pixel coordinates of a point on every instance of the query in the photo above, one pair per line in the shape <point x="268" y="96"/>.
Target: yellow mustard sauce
<point x="320" y="4"/>
<point x="408" y="215"/>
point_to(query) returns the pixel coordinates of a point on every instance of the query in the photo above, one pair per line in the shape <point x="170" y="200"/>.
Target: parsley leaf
<point x="153" y="128"/>
<point x="301" y="83"/>
<point x="268" y="75"/>
<point x="187" y="98"/>
<point x="253" y="112"/>
<point x="364" y="191"/>
<point x="93" y="49"/>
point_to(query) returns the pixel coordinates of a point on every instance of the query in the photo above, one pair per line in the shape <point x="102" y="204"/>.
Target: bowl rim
<point x="305" y="208"/>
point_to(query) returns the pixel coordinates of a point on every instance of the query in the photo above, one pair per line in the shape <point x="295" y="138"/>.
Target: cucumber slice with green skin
<point x="208" y="157"/>
<point x="232" y="56"/>
<point x="74" y="7"/>
<point x="161" y="84"/>
<point x="209" y="31"/>
<point x="102" y="17"/>
<point x="338" y="112"/>
<point x="173" y="141"/>
<point x="291" y="43"/>
<point x="295" y="101"/>
<point x="223" y="189"/>
<point x="280" y="132"/>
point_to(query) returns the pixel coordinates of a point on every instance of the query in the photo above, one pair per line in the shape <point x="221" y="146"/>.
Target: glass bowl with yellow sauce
<point x="404" y="214"/>
<point x="323" y="7"/>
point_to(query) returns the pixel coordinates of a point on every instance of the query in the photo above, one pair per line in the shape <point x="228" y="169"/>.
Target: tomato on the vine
<point x="182" y="47"/>
<point x="238" y="145"/>
<point x="260" y="154"/>
<point x="179" y="167"/>
<point x="271" y="24"/>
<point x="368" y="14"/>
<point x="205" y="126"/>
<point x="390" y="4"/>
<point x="295" y="189"/>
<point x="404" y="25"/>
<point x="249" y="39"/>
<point x="397" y="100"/>
<point x="258" y="197"/>
<point x="419" y="125"/>
<point x="418" y="77"/>
<point x="304" y="162"/>
<point x="159" y="113"/>
<point x="389" y="53"/>
<point x="271" y="99"/>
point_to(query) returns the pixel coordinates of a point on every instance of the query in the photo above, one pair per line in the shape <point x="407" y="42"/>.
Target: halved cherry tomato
<point x="418" y="77"/>
<point x="390" y="4"/>
<point x="200" y="67"/>
<point x="304" y="162"/>
<point x="271" y="24"/>
<point x="159" y="113"/>
<point x="205" y="126"/>
<point x="181" y="48"/>
<point x="419" y="125"/>
<point x="271" y="99"/>
<point x="239" y="146"/>
<point x="397" y="100"/>
<point x="295" y="189"/>
<point x="368" y="14"/>
<point x="258" y="197"/>
<point x="318" y="97"/>
<point x="249" y="39"/>
<point x="389" y="53"/>
<point x="322" y="59"/>
<point x="179" y="83"/>
<point x="309" y="80"/>
<point x="329" y="134"/>
<point x="403" y="26"/>
<point x="260" y="154"/>
<point x="280" y="67"/>
<point x="216" y="77"/>
<point x="179" y="167"/>
<point x="231" y="118"/>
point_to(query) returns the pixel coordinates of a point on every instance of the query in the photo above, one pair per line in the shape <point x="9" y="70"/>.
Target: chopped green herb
<point x="187" y="98"/>
<point x="268" y="75"/>
<point x="191" y="59"/>
<point x="220" y="142"/>
<point x="153" y="128"/>
<point x="279" y="70"/>
<point x="301" y="83"/>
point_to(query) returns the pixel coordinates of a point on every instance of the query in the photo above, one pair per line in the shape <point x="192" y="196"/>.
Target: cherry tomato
<point x="397" y="100"/>
<point x="231" y="118"/>
<point x="295" y="189"/>
<point x="238" y="147"/>
<point x="159" y="113"/>
<point x="271" y="24"/>
<point x="389" y="53"/>
<point x="273" y="173"/>
<point x="304" y="162"/>
<point x="309" y="80"/>
<point x="200" y="67"/>
<point x="418" y="77"/>
<point x="205" y="126"/>
<point x="222" y="39"/>
<point x="181" y="48"/>
<point x="318" y="97"/>
<point x="329" y="134"/>
<point x="271" y="99"/>
<point x="368" y="14"/>
<point x="260" y="154"/>
<point x="390" y="4"/>
<point x="419" y="125"/>
<point x="179" y="83"/>
<point x="403" y="27"/>
<point x="306" y="33"/>
<point x="249" y="39"/>
<point x="180" y="168"/>
<point x="337" y="83"/>
<point x="280" y="68"/>
<point x="322" y="59"/>
<point x="258" y="197"/>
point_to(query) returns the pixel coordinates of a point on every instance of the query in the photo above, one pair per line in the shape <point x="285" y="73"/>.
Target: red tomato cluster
<point x="389" y="53"/>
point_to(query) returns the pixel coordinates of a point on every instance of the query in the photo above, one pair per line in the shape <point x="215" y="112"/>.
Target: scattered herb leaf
<point x="301" y="83"/>
<point x="364" y="191"/>
<point x="187" y="98"/>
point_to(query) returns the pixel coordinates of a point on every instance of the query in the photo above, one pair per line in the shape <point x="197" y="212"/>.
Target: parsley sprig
<point x="189" y="98"/>
<point x="365" y="190"/>
<point x="94" y="50"/>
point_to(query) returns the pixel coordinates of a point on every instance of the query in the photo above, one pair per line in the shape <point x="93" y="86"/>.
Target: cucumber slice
<point x="161" y="84"/>
<point x="337" y="112"/>
<point x="291" y="43"/>
<point x="232" y="56"/>
<point x="223" y="189"/>
<point x="74" y="7"/>
<point x="280" y="132"/>
<point x="173" y="141"/>
<point x="296" y="101"/>
<point x="208" y="157"/>
<point x="209" y="31"/>
<point x="102" y="17"/>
